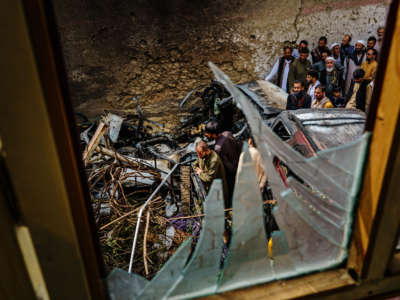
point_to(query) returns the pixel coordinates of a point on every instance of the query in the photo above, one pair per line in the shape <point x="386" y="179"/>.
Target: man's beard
<point x="359" y="51"/>
<point x="369" y="59"/>
<point x="330" y="69"/>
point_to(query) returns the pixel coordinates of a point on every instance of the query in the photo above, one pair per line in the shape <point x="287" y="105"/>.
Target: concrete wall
<point x="159" y="50"/>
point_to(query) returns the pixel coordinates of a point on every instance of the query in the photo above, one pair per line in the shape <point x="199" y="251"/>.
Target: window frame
<point x="377" y="223"/>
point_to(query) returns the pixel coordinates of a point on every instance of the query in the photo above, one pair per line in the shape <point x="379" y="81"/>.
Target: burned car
<point x="311" y="130"/>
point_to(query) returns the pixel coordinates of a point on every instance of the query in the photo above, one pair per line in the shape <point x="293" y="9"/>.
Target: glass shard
<point x="123" y="285"/>
<point x="200" y="276"/>
<point x="313" y="213"/>
<point x="247" y="262"/>
<point x="168" y="276"/>
<point x="282" y="263"/>
<point x="315" y="201"/>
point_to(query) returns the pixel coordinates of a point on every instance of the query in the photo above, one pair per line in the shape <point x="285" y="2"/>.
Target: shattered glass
<point x="247" y="262"/>
<point x="166" y="279"/>
<point x="123" y="285"/>
<point x="200" y="275"/>
<point x="315" y="203"/>
<point x="314" y="216"/>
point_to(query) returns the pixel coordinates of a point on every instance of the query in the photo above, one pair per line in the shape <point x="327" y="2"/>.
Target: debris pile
<point x="126" y="159"/>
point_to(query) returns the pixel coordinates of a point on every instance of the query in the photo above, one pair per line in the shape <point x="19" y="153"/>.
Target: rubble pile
<point x="126" y="160"/>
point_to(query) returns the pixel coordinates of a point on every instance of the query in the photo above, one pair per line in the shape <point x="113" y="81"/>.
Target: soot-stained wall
<point x="158" y="50"/>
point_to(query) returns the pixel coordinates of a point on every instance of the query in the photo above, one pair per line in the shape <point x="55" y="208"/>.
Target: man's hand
<point x="198" y="171"/>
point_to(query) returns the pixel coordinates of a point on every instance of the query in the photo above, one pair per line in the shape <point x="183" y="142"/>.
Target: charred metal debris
<point x="126" y="159"/>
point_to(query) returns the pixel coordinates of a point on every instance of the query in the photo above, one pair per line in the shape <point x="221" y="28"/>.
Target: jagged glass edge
<point x="208" y="248"/>
<point x="119" y="280"/>
<point x="256" y="125"/>
<point x="309" y="166"/>
<point x="169" y="275"/>
<point x="247" y="233"/>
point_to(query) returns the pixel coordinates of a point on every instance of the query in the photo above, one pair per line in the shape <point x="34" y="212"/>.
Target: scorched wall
<point x="158" y="50"/>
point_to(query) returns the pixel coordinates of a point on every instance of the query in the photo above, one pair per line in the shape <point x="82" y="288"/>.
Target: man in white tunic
<point x="280" y="70"/>
<point x="354" y="61"/>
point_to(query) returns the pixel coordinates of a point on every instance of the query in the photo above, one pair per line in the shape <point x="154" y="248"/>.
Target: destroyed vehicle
<point x="311" y="130"/>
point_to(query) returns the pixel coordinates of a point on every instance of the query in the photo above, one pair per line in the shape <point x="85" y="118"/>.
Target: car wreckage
<point x="313" y="160"/>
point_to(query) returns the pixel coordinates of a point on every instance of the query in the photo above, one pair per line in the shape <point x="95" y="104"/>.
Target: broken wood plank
<point x="185" y="190"/>
<point x="129" y="161"/>
<point x="94" y="142"/>
<point x="292" y="288"/>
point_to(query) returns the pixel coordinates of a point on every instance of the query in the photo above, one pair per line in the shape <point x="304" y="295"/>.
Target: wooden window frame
<point x="371" y="268"/>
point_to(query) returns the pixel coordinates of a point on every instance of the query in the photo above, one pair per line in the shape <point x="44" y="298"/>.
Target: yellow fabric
<point x="352" y="101"/>
<point x="323" y="103"/>
<point x="270" y="248"/>
<point x="369" y="68"/>
<point x="329" y="105"/>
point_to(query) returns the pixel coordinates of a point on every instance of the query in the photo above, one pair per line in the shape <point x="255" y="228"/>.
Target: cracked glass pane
<point x="200" y="275"/>
<point x="247" y="262"/>
<point x="167" y="278"/>
<point x="316" y="195"/>
<point x="123" y="285"/>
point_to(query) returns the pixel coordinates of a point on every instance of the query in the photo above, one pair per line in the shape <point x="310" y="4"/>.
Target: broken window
<point x="281" y="131"/>
<point x="314" y="214"/>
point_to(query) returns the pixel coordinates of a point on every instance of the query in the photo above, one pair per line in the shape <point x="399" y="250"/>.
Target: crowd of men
<point x="341" y="75"/>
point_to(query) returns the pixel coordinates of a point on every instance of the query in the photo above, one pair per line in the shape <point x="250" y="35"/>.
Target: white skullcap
<point x="362" y="42"/>
<point x="330" y="58"/>
<point x="334" y="45"/>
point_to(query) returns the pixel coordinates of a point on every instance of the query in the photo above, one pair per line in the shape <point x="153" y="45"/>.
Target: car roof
<point x="328" y="128"/>
<point x="323" y="113"/>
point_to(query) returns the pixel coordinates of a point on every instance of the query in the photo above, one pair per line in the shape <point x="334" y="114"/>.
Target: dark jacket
<point x="346" y="51"/>
<point x="280" y="71"/>
<point x="297" y="101"/>
<point x="333" y="81"/>
<point x="338" y="102"/>
<point x="361" y="94"/>
<point x="320" y="66"/>
<point x="316" y="54"/>
<point x="229" y="151"/>
<point x="354" y="58"/>
<point x="298" y="71"/>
